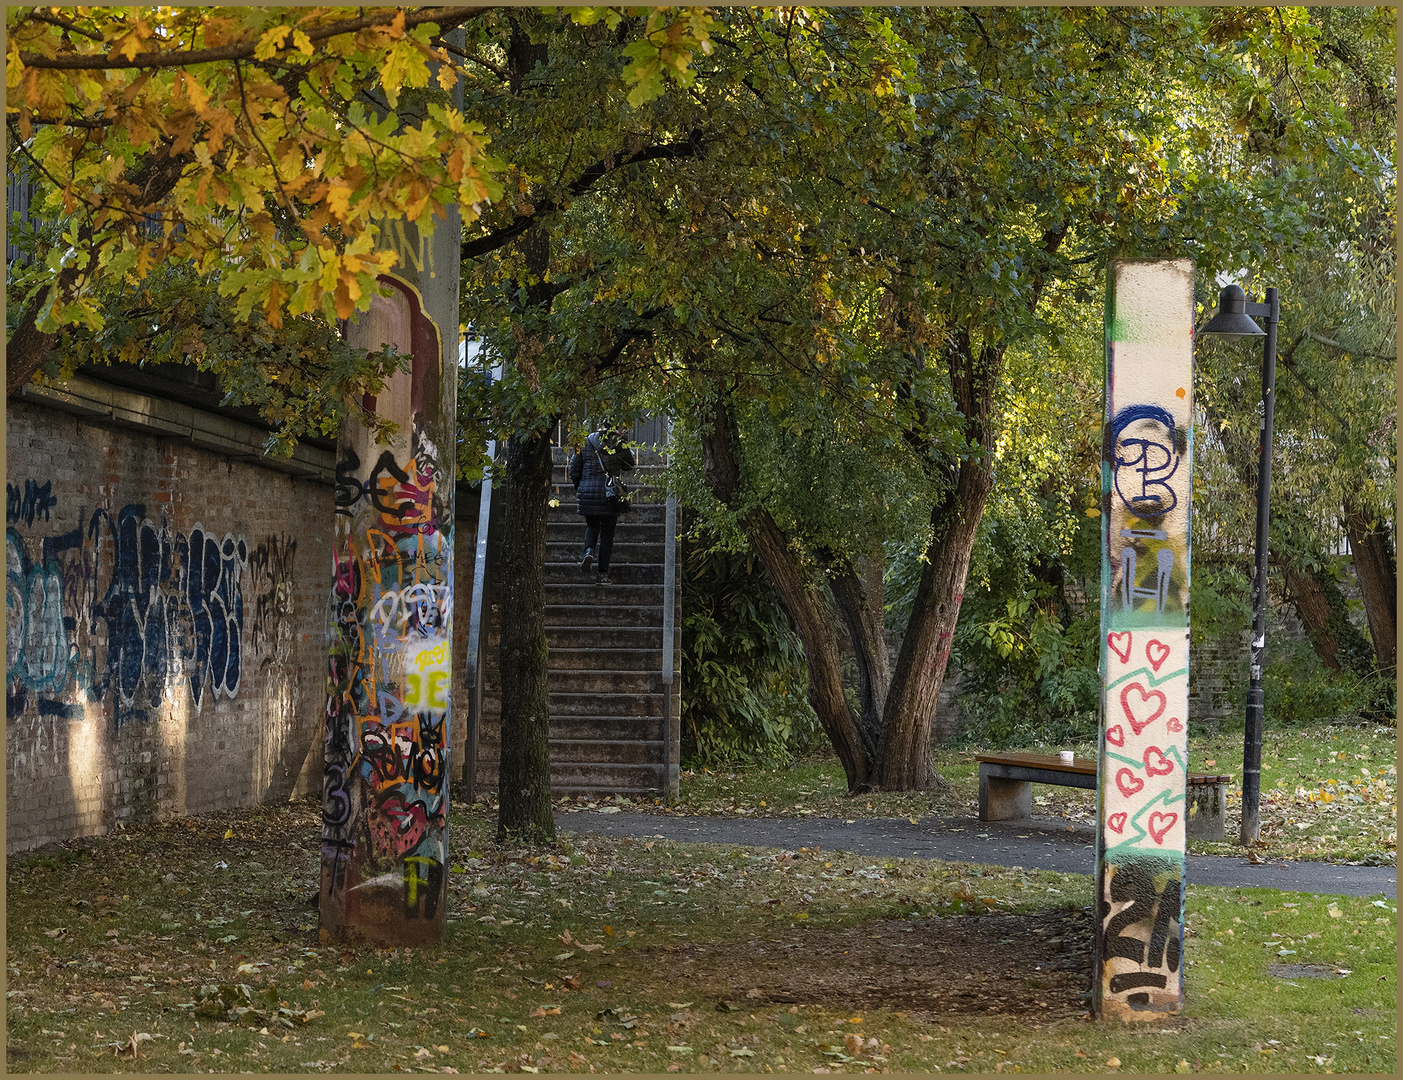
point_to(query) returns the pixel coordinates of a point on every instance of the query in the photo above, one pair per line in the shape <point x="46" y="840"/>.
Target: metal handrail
<point x="669" y="587"/>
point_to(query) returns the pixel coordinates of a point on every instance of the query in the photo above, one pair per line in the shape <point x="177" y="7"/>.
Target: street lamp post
<point x="1234" y="321"/>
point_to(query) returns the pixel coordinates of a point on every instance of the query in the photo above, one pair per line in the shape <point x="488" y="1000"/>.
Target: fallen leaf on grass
<point x="478" y="1033"/>
<point x="743" y="1052"/>
<point x="541" y="1010"/>
<point x="679" y="1049"/>
<point x="1113" y="1063"/>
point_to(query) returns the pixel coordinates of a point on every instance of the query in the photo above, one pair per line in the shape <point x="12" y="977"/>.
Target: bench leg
<point x="1208" y="804"/>
<point x="1004" y="800"/>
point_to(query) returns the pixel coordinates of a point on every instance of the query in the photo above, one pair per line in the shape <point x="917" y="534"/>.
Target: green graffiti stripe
<point x="1148" y="674"/>
<point x="1164" y="798"/>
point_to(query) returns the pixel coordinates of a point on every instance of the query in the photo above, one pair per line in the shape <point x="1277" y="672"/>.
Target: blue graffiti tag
<point x="1145" y="460"/>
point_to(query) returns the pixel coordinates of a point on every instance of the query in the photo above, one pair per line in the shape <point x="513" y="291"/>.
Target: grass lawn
<point x="611" y="955"/>
<point x="1327" y="793"/>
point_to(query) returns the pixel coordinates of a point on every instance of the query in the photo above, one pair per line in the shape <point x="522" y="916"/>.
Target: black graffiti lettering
<point x="1164" y="947"/>
<point x="1129" y="883"/>
<point x="336" y="854"/>
<point x="29" y="504"/>
<point x="386" y="464"/>
<point x="349" y="490"/>
<point x="124" y="604"/>
<point x="1130" y="979"/>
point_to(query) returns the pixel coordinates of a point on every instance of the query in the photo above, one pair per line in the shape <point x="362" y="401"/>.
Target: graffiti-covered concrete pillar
<point x="1145" y="472"/>
<point x="390" y="618"/>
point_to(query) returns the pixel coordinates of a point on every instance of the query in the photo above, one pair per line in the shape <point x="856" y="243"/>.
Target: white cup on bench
<point x="1068" y="756"/>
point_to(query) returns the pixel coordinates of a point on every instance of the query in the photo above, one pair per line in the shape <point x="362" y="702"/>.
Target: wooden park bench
<point x="1006" y="781"/>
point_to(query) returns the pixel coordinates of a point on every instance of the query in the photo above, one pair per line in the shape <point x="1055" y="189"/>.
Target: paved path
<point x="1042" y="844"/>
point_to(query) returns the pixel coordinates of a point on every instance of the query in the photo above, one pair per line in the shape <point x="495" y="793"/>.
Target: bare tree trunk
<point x="904" y="760"/>
<point x="1376" y="568"/>
<point x="804" y="599"/>
<point x="859" y="599"/>
<point x="1323" y="612"/>
<point x="524" y="771"/>
<point x="523" y="776"/>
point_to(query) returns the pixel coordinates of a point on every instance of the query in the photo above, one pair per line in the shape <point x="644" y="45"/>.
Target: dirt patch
<point x="929" y="969"/>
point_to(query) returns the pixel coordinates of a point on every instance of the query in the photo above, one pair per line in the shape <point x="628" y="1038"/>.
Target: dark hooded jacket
<point x="590" y="480"/>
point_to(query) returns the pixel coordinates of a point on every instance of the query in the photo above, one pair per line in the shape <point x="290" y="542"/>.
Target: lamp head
<point x="1232" y="320"/>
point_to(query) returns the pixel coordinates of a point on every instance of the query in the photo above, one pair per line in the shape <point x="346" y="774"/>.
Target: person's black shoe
<point x="587" y="563"/>
<point x="603" y="579"/>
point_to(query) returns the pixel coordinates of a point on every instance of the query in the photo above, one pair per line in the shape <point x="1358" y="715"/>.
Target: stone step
<point x="590" y="681"/>
<point x="586" y="593"/>
<point x="590" y="728"/>
<point x="610" y="614"/>
<point x="586" y="779"/>
<point x="602" y="659"/>
<point x="635" y="751"/>
<point x="621" y="572"/>
<point x="605" y="637"/>
<point x="575" y="702"/>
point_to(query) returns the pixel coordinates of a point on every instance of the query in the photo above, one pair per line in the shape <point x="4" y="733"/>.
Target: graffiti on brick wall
<point x="1146" y="469"/>
<point x="271" y="588"/>
<point x="390" y="622"/>
<point x="125" y="611"/>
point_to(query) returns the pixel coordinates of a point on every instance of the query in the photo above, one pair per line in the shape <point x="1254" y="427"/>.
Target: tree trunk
<point x="523" y="776"/>
<point x="1376" y="569"/>
<point x="1325" y="615"/>
<point x="859" y="599"/>
<point x="904" y="760"/>
<point x="804" y="599"/>
<point x="523" y="790"/>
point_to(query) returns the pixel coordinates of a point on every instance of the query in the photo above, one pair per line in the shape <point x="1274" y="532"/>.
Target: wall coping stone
<point x="170" y="419"/>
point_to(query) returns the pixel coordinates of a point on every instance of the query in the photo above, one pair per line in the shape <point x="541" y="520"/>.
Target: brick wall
<point x="165" y="639"/>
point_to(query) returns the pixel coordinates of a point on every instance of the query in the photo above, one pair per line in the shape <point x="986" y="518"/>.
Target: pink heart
<point x="1116" y="822"/>
<point x="1115" y="735"/>
<point x="1155" y="652"/>
<point x="1128" y="782"/>
<point x="1138" y="725"/>
<point x="1161" y="824"/>
<point x="1120" y="645"/>
<point x="1162" y="766"/>
<point x="1174" y="724"/>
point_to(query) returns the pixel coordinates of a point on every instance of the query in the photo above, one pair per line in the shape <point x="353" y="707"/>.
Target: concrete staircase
<point x="605" y="641"/>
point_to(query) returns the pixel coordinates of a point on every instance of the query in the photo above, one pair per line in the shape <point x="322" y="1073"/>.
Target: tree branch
<point x="244" y="50"/>
<point x="592" y="175"/>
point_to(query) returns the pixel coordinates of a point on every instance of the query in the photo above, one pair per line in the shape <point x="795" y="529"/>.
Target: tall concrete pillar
<point x="384" y="849"/>
<point x="1145" y="474"/>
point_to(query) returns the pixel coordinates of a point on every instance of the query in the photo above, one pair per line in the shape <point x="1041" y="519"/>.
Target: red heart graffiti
<point x="1115" y="735"/>
<point x="1120" y="645"/>
<point x="1155" y="652"/>
<point x="1128" y="782"/>
<point x="1161" y="824"/>
<point x="1161" y="766"/>
<point x="1174" y="724"/>
<point x="1138" y="725"/>
<point x="1116" y="822"/>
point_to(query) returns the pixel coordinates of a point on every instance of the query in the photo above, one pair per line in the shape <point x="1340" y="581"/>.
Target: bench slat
<point x="1060" y="773"/>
